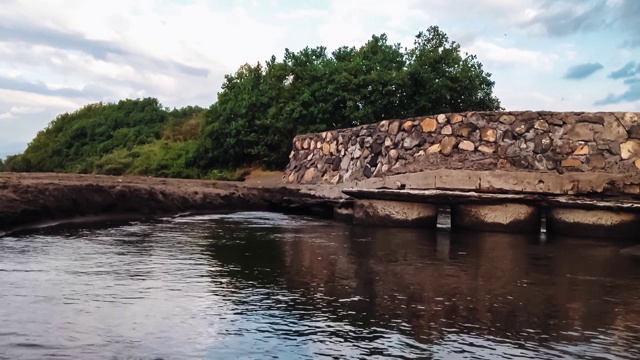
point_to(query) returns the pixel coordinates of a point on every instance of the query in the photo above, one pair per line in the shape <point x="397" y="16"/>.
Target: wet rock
<point x="411" y="142"/>
<point x="329" y="136"/>
<point x="596" y="161"/>
<point x="581" y="132"/>
<point x="521" y="163"/>
<point x="522" y="127"/>
<point x="326" y="148"/>
<point x="466" y="145"/>
<point x="612" y="131"/>
<point x="582" y="150"/>
<point x="634" y="131"/>
<point x="378" y="171"/>
<point x="447" y="144"/>
<point x="487" y="148"/>
<point x="434" y="149"/>
<point x="407" y="126"/>
<point x="507" y="119"/>
<point x="541" y="125"/>
<point x="465" y="130"/>
<point x="335" y="180"/>
<point x="376" y="148"/>
<point x="394" y="127"/>
<point x="429" y="125"/>
<point x="488" y="134"/>
<point x="591" y="118"/>
<point x="555" y="121"/>
<point x="629" y="149"/>
<point x="528" y="116"/>
<point x="333" y="149"/>
<point x="367" y="172"/>
<point x="614" y="148"/>
<point x="335" y="166"/>
<point x="373" y="161"/>
<point x="344" y="164"/>
<point x="455" y="118"/>
<point x="309" y="175"/>
<point x="542" y="144"/>
<point x="571" y="162"/>
<point x="508" y="135"/>
<point x="401" y="136"/>
<point x="629" y="119"/>
<point x="503" y="164"/>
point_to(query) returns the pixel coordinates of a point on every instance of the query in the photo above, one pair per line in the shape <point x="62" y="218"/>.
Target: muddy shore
<point x="34" y="199"/>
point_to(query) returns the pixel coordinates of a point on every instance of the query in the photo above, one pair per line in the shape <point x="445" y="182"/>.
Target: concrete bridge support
<point x="593" y="223"/>
<point x="394" y="213"/>
<point x="508" y="217"/>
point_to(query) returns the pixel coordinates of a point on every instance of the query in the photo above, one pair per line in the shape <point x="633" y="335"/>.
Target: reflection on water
<point x="261" y="285"/>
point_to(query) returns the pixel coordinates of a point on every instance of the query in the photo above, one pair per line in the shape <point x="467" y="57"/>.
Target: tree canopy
<point x="261" y="107"/>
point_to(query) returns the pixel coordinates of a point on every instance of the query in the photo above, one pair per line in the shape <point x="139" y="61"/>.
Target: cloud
<point x="38" y="87"/>
<point x="98" y="49"/>
<point x="628" y="15"/>
<point x="63" y="54"/>
<point x="557" y="18"/>
<point x="628" y="70"/>
<point x="630" y="95"/>
<point x="630" y="81"/>
<point x="582" y="71"/>
<point x="492" y="53"/>
<point x="561" y="17"/>
<point x="37" y="35"/>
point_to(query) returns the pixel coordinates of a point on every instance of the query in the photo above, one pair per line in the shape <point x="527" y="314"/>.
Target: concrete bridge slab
<point x="394" y="213"/>
<point x="593" y="223"/>
<point x="515" y="218"/>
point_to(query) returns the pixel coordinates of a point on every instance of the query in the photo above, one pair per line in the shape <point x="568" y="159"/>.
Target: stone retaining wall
<point x="510" y="141"/>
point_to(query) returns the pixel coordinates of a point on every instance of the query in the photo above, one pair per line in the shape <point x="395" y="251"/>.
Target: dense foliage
<point x="131" y="137"/>
<point x="261" y="107"/>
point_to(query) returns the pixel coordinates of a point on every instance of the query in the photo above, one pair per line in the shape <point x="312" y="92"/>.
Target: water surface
<point x="265" y="285"/>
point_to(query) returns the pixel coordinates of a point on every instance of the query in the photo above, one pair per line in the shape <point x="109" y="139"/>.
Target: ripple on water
<point x="266" y="285"/>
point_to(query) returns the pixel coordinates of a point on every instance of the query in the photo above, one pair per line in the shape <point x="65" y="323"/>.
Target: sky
<point x="59" y="55"/>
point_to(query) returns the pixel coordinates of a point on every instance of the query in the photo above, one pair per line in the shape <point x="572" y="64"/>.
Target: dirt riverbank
<point x="31" y="199"/>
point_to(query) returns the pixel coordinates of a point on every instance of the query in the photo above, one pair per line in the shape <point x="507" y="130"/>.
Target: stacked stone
<point x="512" y="141"/>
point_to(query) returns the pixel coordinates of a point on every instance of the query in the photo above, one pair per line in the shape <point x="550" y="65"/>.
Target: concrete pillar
<point x="394" y="213"/>
<point x="343" y="213"/>
<point x="593" y="223"/>
<point x="515" y="218"/>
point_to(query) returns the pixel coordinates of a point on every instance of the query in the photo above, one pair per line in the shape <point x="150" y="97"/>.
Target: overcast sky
<point x="58" y="55"/>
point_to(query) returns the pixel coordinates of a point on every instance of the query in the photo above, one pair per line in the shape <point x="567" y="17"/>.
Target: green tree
<point x="261" y="108"/>
<point x="442" y="79"/>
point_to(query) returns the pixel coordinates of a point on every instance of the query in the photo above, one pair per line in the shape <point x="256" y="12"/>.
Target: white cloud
<point x="494" y="54"/>
<point x="75" y="52"/>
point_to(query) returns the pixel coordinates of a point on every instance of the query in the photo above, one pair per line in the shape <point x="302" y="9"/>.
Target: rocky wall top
<point x="511" y="141"/>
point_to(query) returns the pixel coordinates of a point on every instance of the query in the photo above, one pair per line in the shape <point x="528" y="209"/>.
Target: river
<point x="257" y="285"/>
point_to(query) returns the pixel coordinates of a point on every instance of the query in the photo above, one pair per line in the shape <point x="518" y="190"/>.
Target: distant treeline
<point x="260" y="108"/>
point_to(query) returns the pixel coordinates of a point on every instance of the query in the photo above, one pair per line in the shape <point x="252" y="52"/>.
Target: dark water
<point x="260" y="285"/>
